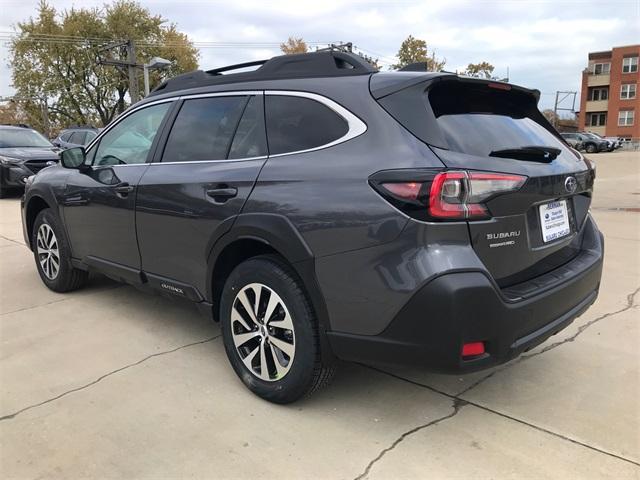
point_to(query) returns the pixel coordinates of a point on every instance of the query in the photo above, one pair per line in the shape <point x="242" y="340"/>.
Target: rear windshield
<point x="478" y="120"/>
<point x="13" y="138"/>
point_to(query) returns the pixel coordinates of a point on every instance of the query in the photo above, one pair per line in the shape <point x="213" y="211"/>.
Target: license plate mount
<point x="554" y="220"/>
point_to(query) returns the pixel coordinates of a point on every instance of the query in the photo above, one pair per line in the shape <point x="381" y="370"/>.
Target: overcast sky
<point x="543" y="43"/>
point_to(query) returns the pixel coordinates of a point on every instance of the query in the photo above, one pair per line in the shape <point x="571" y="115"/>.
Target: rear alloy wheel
<point x="270" y="331"/>
<point x="591" y="148"/>
<point x="263" y="333"/>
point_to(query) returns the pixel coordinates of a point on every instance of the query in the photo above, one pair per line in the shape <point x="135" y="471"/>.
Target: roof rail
<point x="331" y="63"/>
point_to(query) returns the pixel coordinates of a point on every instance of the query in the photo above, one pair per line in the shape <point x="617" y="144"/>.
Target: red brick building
<point x="610" y="97"/>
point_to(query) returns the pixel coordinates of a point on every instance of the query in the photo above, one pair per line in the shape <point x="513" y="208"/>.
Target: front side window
<point x="203" y="129"/>
<point x="628" y="91"/>
<point x="298" y="123"/>
<point x="629" y="64"/>
<point x="625" y="118"/>
<point x="129" y="142"/>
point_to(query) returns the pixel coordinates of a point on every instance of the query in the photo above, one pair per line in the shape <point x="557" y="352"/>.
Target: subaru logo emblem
<point x="570" y="184"/>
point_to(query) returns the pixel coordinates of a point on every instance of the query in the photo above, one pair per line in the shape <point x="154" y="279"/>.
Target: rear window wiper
<point x="532" y="153"/>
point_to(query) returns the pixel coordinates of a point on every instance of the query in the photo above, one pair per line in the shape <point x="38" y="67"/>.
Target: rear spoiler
<point x="387" y="83"/>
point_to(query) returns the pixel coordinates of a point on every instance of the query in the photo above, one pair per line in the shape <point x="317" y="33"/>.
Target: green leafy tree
<point x="414" y="50"/>
<point x="480" y="70"/>
<point x="294" y="45"/>
<point x="551" y="116"/>
<point x="55" y="58"/>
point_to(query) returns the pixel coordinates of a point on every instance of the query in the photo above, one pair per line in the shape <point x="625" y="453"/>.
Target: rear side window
<point x="478" y="120"/>
<point x="298" y="123"/>
<point x="77" y="138"/>
<point x="250" y="139"/>
<point x="203" y="129"/>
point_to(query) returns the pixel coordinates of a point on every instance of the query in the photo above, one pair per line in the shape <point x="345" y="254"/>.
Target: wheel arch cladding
<point x="34" y="207"/>
<point x="257" y="234"/>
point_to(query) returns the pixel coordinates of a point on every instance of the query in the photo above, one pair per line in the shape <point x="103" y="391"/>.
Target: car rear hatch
<point x="527" y="193"/>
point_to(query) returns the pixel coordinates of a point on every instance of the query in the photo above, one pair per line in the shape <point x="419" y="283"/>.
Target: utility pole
<point x="133" y="80"/>
<point x="129" y="63"/>
<point x="559" y="101"/>
<point x="45" y="117"/>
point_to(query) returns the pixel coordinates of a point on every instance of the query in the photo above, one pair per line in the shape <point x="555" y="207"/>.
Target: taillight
<point x="450" y="195"/>
<point x="460" y="194"/>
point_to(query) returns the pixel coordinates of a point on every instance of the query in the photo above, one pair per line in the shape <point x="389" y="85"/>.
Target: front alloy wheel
<point x="48" y="252"/>
<point x="262" y="331"/>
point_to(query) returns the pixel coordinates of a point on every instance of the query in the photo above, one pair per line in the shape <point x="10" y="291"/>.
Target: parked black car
<point x="574" y="139"/>
<point x="319" y="209"/>
<point x="587" y="142"/>
<point x="594" y="143"/>
<point x="23" y="152"/>
<point x="76" y="137"/>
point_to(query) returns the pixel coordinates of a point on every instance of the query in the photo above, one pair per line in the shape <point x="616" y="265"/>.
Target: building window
<point x="601" y="68"/>
<point x="629" y="64"/>
<point x="625" y="118"/>
<point x="597" y="119"/>
<point x="596" y="94"/>
<point x="628" y="91"/>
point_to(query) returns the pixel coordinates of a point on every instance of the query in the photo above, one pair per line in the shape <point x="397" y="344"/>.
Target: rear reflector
<point x="472" y="349"/>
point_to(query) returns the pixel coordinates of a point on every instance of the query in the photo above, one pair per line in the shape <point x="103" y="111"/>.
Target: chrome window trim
<point x="188" y="162"/>
<point x="356" y="127"/>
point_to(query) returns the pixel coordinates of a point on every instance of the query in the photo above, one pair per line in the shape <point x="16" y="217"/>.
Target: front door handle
<point x="123" y="189"/>
<point x="221" y="195"/>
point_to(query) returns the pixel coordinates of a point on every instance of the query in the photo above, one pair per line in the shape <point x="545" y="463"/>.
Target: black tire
<point x="68" y="278"/>
<point x="590" y="148"/>
<point x="306" y="372"/>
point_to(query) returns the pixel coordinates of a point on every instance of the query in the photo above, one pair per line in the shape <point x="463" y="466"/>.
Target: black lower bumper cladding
<point x="458" y="308"/>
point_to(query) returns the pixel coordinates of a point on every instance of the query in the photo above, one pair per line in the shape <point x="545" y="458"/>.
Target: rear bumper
<point x="456" y="308"/>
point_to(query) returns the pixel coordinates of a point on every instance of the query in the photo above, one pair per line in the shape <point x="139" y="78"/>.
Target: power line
<point x="67" y="39"/>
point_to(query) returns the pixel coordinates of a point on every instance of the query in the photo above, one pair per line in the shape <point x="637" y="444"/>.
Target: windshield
<point x="478" y="120"/>
<point x="13" y="138"/>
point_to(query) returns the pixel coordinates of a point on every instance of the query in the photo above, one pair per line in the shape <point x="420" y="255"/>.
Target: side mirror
<point x="72" y="158"/>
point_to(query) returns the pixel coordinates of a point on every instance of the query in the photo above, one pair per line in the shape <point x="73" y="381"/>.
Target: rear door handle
<point x="221" y="195"/>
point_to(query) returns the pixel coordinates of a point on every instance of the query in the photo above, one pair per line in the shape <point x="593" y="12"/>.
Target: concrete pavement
<point x="111" y="382"/>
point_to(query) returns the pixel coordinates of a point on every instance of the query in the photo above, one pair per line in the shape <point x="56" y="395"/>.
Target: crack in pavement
<point x="457" y="405"/>
<point x="630" y="304"/>
<point x="13" y="241"/>
<point x="67" y="297"/>
<point x="102" y="377"/>
<point x="458" y="402"/>
<point x="456" y="398"/>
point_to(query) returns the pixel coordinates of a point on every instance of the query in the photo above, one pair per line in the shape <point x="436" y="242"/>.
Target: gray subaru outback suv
<point x="321" y="210"/>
